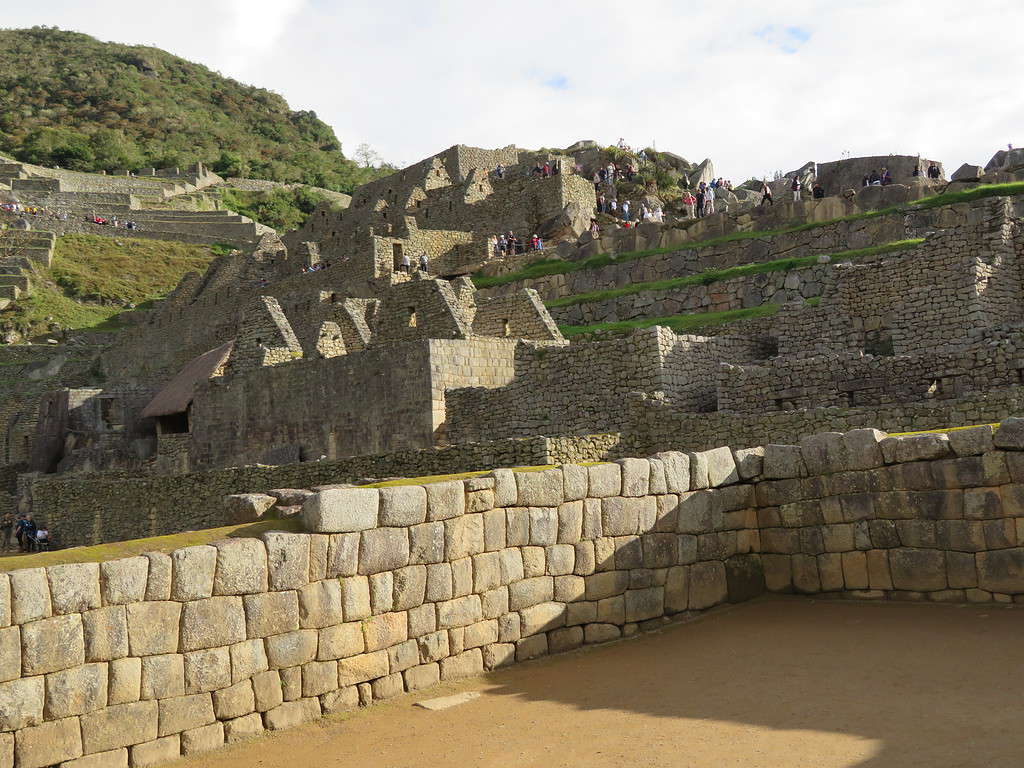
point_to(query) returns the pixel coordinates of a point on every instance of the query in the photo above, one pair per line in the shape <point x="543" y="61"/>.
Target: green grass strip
<point x="710" y="276"/>
<point x="546" y="267"/>
<point x="678" y="323"/>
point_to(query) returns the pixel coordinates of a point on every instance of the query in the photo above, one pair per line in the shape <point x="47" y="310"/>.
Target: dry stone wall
<point x="399" y="588"/>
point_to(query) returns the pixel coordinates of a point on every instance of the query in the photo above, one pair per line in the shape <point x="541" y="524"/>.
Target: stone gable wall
<point x="397" y="589"/>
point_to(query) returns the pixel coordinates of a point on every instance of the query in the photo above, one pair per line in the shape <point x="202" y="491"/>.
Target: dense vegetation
<point x="69" y="100"/>
<point x="282" y="209"/>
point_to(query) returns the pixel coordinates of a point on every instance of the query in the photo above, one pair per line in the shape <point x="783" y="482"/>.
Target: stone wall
<point x="397" y="589"/>
<point x="102" y="507"/>
<point x="840" y="175"/>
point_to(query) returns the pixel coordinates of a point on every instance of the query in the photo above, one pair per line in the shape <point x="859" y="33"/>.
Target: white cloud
<point x="755" y="86"/>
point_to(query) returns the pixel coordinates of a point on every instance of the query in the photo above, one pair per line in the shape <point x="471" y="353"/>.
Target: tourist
<point x="625" y="210"/>
<point x="612" y="206"/>
<point x="689" y="201"/>
<point x="424" y="262"/>
<point x="500" y="171"/>
<point x="492" y="246"/>
<point x="546" y="170"/>
<point x="795" y="187"/>
<point x="933" y="171"/>
<point x="502" y="244"/>
<point x="25" y="531"/>
<point x="817" y="191"/>
<point x="917" y="171"/>
<point x="700" y="201"/>
<point x="865" y="181"/>
<point x="6" y="531"/>
<point x="886" y="177"/>
<point x="538" y="170"/>
<point x="611" y="173"/>
<point x="874" y="179"/>
<point x="556" y="167"/>
<point x="595" y="229"/>
<point x="41" y="540"/>
<point x="404" y="267"/>
<point x="600" y="203"/>
<point x="602" y="174"/>
<point x="766" y="194"/>
<point x="709" y="202"/>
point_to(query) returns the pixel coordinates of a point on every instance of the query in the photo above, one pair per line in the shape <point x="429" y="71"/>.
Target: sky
<point x="756" y="86"/>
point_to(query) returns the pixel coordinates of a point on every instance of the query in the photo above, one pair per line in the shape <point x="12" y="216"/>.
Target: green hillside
<point x="69" y="100"/>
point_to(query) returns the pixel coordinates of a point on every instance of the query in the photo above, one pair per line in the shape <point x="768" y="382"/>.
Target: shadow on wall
<point x="822" y="683"/>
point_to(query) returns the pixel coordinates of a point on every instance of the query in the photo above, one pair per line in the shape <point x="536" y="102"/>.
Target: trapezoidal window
<point x="412" y="317"/>
<point x="173" y="424"/>
<point x="396" y="252"/>
<point x="111" y="414"/>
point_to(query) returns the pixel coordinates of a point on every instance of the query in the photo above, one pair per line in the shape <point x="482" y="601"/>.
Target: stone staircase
<point x="19" y="251"/>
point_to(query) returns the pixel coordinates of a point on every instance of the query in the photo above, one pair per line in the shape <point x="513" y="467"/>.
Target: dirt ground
<point x="777" y="683"/>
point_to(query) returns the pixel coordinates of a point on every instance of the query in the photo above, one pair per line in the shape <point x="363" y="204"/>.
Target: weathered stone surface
<point x="1010" y="434"/>
<point x="319" y="677"/>
<point x="459" y="611"/>
<point x="465" y="664"/>
<point x="115" y="758"/>
<point x="48" y="744"/>
<point x="291" y="649"/>
<point x="106" y="633"/>
<point x="386" y="630"/>
<point x="50" y="645"/>
<point x="575" y="482"/>
<point x="156" y="752"/>
<point x="124" y="581"/>
<point x="21" y="703"/>
<point x="505" y="489"/>
<point x="749" y="462"/>
<point x="426" y="543"/>
<point x="192" y="572"/>
<point x="153" y="627"/>
<point x="403" y="505"/>
<point x="291" y="714"/>
<point x="266" y="688"/>
<point x="383" y="549"/>
<point x="319" y="604"/>
<point x="783" y="461"/>
<point x="605" y="480"/>
<point x="207" y="670"/>
<point x="10" y="654"/>
<point x="204" y="739"/>
<point x="920" y="570"/>
<point x="74" y="588"/>
<point x="540" y="489"/>
<point x="5" y="600"/>
<point x="243" y="728"/>
<point x="287" y="559"/>
<point x="158" y="581"/>
<point x="341" y="510"/>
<point x="359" y="669"/>
<point x="708" y="585"/>
<point x="382" y="592"/>
<point x="125" y="680"/>
<point x="119" y="726"/>
<point x="30" y="595"/>
<point x="184" y="712"/>
<point x="163" y="676"/>
<point x="445" y="500"/>
<point x="355" y="597"/>
<point x="342" y="555"/>
<point x="212" y="622"/>
<point x="246" y="507"/>
<point x="1001" y="570"/>
<point x="920" y="447"/>
<point x="271" y="613"/>
<point x="241" y="567"/>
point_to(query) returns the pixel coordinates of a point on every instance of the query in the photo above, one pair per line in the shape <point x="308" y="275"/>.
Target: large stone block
<point x="125" y="680"/>
<point x="124" y="581"/>
<point x="241" y="567"/>
<point x="115" y="758"/>
<point x="403" y="505"/>
<point x="636" y="476"/>
<point x="106" y="633"/>
<point x="708" y="585"/>
<point x="527" y="592"/>
<point x="918" y="570"/>
<point x="163" y="676"/>
<point x="383" y="549"/>
<point x="620" y="516"/>
<point x="319" y="605"/>
<point x="744" y="576"/>
<point x="50" y="645"/>
<point x="1002" y="570"/>
<point x="74" y="587"/>
<point x="10" y="654"/>
<point x="266" y="688"/>
<point x="182" y="713"/>
<point x="355" y="597"/>
<point x="207" y="670"/>
<point x="575" y="482"/>
<point x="192" y="572"/>
<point x="319" y="677"/>
<point x="1010" y="434"/>
<point x="204" y="739"/>
<point x="119" y="726"/>
<point x="21" y="703"/>
<point x="426" y="543"/>
<point x="158" y="581"/>
<point x="212" y="622"/>
<point x="465" y="664"/>
<point x="973" y="441"/>
<point x="445" y="500"/>
<point x="677" y="471"/>
<point x="153" y="627"/>
<point x="342" y="555"/>
<point x="291" y="714"/>
<point x="30" y="595"/>
<point x="543" y="526"/>
<point x="48" y="744"/>
<point x="541" y="618"/>
<point x="721" y="467"/>
<point x="5" y="600"/>
<point x="359" y="669"/>
<point x="783" y="462"/>
<point x="605" y="480"/>
<point x="341" y="510"/>
<point x="243" y="728"/>
<point x="156" y="752"/>
<point x="464" y="536"/>
<point x="540" y="489"/>
<point x="291" y="649"/>
<point x="341" y="641"/>
<point x="248" y="658"/>
<point x="387" y="629"/>
<point x="602" y="585"/>
<point x="643" y="604"/>
<point x="505" y="490"/>
<point x="677" y="589"/>
<point x="270" y="613"/>
<point x="287" y="559"/>
<point x="459" y="612"/>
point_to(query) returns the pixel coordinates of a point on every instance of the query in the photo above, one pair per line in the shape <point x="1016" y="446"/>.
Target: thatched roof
<point x="176" y="396"/>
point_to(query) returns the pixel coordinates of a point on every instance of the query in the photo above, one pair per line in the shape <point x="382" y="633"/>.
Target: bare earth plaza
<point x="574" y="456"/>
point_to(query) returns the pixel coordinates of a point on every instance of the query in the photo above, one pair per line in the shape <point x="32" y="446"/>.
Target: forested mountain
<point x="70" y="100"/>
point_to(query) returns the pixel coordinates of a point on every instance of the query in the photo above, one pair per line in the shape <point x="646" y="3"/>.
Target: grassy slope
<point x="92" y="277"/>
<point x="560" y="267"/>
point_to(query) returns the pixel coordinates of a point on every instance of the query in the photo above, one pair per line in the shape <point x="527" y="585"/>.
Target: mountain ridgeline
<point x="69" y="100"/>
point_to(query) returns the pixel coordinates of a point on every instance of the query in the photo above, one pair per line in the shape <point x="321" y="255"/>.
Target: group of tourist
<point x="933" y="171"/>
<point x="19" y="209"/>
<point x="423" y="261"/>
<point x="24" y="531"/>
<point x="507" y="244"/>
<point x="547" y="169"/>
<point x="626" y="212"/>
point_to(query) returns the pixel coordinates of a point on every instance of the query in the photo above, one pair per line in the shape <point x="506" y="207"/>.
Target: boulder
<point x="1006" y="160"/>
<point x="289" y="497"/>
<point x="967" y="172"/>
<point x="247" y="507"/>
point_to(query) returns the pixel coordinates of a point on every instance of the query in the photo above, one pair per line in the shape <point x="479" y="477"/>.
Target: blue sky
<point x="755" y="86"/>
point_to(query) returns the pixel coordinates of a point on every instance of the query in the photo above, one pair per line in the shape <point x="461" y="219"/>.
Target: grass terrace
<point x="545" y="267"/>
<point x="711" y="276"/>
<point x="679" y="323"/>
